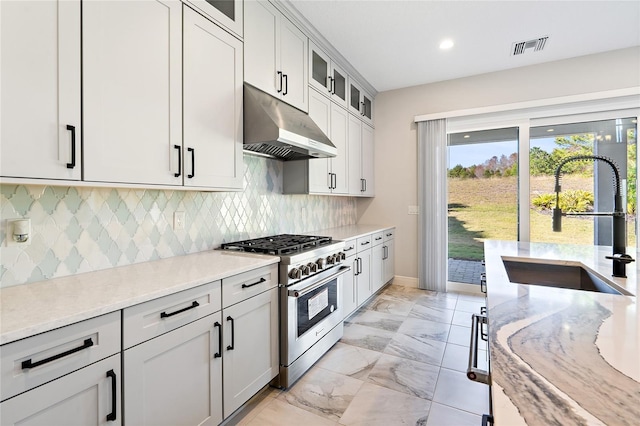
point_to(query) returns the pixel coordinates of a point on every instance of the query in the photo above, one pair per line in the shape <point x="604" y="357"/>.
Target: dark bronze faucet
<point x="620" y="257"/>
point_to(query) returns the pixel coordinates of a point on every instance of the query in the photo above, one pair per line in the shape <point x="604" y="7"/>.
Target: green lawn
<point x="482" y="209"/>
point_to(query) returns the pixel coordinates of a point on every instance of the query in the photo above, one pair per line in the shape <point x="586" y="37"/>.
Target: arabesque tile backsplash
<point x="77" y="229"/>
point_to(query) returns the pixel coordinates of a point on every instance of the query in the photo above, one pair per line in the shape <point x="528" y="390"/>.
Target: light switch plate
<point x="413" y="210"/>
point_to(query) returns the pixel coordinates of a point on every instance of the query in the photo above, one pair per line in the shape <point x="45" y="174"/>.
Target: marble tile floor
<point x="402" y="361"/>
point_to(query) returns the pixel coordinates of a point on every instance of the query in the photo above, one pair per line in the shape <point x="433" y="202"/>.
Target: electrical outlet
<point x="178" y="221"/>
<point x="413" y="210"/>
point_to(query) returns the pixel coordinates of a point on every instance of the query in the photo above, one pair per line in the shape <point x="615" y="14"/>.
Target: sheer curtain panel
<point x="432" y="202"/>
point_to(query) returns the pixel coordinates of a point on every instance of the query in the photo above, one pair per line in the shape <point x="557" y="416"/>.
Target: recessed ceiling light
<point x="549" y="130"/>
<point x="446" y="44"/>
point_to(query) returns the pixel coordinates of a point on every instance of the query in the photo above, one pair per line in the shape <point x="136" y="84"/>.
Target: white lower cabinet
<point x="67" y="376"/>
<point x="250" y="348"/>
<point x="89" y="396"/>
<point x="388" y="261"/>
<point x="363" y="276"/>
<point x="377" y="266"/>
<point x="176" y="378"/>
<point x="349" y="290"/>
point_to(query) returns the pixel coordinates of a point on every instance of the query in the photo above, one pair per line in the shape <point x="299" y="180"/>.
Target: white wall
<point x="396" y="136"/>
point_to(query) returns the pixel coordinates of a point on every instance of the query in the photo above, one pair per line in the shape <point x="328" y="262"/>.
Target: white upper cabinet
<point x="361" y="158"/>
<point x="227" y="13"/>
<point x="132" y="70"/>
<point x="326" y="76"/>
<point x="212" y="102"/>
<point x="360" y="102"/>
<point x="275" y="54"/>
<point x="40" y="85"/>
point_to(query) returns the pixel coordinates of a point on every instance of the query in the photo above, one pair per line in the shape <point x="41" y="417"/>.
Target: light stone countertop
<point x="29" y="309"/>
<point x="561" y="356"/>
<point x="350" y="231"/>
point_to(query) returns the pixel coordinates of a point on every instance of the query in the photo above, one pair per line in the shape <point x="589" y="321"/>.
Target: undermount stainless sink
<point x="564" y="274"/>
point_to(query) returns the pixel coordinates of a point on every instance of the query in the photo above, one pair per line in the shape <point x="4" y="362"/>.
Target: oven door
<point x="311" y="309"/>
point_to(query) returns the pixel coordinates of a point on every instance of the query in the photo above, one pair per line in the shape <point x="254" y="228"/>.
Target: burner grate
<point x="278" y="244"/>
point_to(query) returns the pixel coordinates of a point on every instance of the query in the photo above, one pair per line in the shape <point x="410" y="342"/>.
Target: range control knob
<point x="312" y="267"/>
<point x="295" y="273"/>
<point x="305" y="270"/>
<point x="331" y="259"/>
<point x="321" y="262"/>
<point x="342" y="256"/>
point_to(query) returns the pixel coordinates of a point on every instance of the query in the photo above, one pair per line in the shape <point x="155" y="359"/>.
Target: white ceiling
<point x="395" y="43"/>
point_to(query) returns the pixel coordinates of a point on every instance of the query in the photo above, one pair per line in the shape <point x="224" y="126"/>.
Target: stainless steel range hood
<point x="277" y="129"/>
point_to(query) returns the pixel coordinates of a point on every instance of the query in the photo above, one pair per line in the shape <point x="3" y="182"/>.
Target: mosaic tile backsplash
<point x="77" y="230"/>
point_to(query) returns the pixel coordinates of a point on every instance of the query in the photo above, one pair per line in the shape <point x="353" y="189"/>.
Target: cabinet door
<point x="319" y="70"/>
<point x="368" y="161"/>
<point x="367" y="108"/>
<point x="377" y="266"/>
<point x="339" y="86"/>
<point x="40" y="84"/>
<point x="349" y="291"/>
<point x="251" y="348"/>
<point x="212" y="102"/>
<point x="261" y="36"/>
<point x="319" y="168"/>
<point x="84" y="397"/>
<point x="294" y="65"/>
<point x="339" y="137"/>
<point x="226" y="12"/>
<point x="389" y="261"/>
<point x="132" y="71"/>
<point x="176" y="378"/>
<point x="364" y="276"/>
<point x="356" y="185"/>
<point x="355" y="98"/>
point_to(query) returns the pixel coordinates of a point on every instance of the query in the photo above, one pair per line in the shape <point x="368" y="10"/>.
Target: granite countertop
<point x="350" y="231"/>
<point x="34" y="308"/>
<point x="561" y="356"/>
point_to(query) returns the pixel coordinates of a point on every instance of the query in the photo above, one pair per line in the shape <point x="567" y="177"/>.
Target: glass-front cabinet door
<point x="339" y="86"/>
<point x="360" y="102"/>
<point x="327" y="76"/>
<point x="227" y="13"/>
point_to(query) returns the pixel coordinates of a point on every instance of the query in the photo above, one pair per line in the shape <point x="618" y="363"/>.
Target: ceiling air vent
<point x="535" y="45"/>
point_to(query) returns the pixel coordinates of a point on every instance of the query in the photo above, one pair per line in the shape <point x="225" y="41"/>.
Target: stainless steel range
<point x="310" y="277"/>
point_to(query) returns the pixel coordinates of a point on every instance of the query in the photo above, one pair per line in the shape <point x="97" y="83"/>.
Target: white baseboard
<point x="405" y="281"/>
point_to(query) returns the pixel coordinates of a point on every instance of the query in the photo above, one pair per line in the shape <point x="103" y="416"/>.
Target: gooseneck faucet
<point x="620" y="257"/>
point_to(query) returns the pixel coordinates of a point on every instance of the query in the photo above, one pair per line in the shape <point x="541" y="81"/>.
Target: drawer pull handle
<point x="389" y="235"/>
<point x="219" y="353"/>
<point x="230" y="347"/>
<point x="112" y="415"/>
<point x="378" y="239"/>
<point x="365" y="243"/>
<point x="192" y="306"/>
<point x="179" y="148"/>
<point x="348" y="249"/>
<point x="256" y="283"/>
<point x="28" y="364"/>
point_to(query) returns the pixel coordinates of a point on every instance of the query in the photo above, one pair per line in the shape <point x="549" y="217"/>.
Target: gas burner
<point x="279" y="244"/>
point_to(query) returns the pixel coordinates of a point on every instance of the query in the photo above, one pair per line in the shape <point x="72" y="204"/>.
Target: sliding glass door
<point x="495" y="193"/>
<point x="482" y="200"/>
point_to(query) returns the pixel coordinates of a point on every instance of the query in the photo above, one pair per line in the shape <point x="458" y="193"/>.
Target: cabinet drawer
<point x="155" y="317"/>
<point x="36" y="360"/>
<point x="243" y="286"/>
<point x="389" y="234"/>
<point x="363" y="243"/>
<point x="350" y="247"/>
<point x="377" y="238"/>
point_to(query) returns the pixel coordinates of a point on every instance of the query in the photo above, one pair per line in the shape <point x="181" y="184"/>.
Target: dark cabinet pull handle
<point x="364" y="109"/>
<point x="192" y="306"/>
<point x="389" y="234"/>
<point x="219" y="353"/>
<point x="365" y="185"/>
<point x="179" y="148"/>
<point x="230" y="347"/>
<point x="72" y="129"/>
<point x="112" y="415"/>
<point x="286" y="84"/>
<point x="329" y="83"/>
<point x="333" y="86"/>
<point x="193" y="162"/>
<point x="28" y="364"/>
<point x="348" y="249"/>
<point x="360" y="261"/>
<point x="280" y="75"/>
<point x="355" y="266"/>
<point x="335" y="181"/>
<point x="256" y="283"/>
<point x="365" y="243"/>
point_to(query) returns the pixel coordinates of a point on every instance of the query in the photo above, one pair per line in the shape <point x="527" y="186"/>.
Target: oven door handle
<point x="306" y="290"/>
